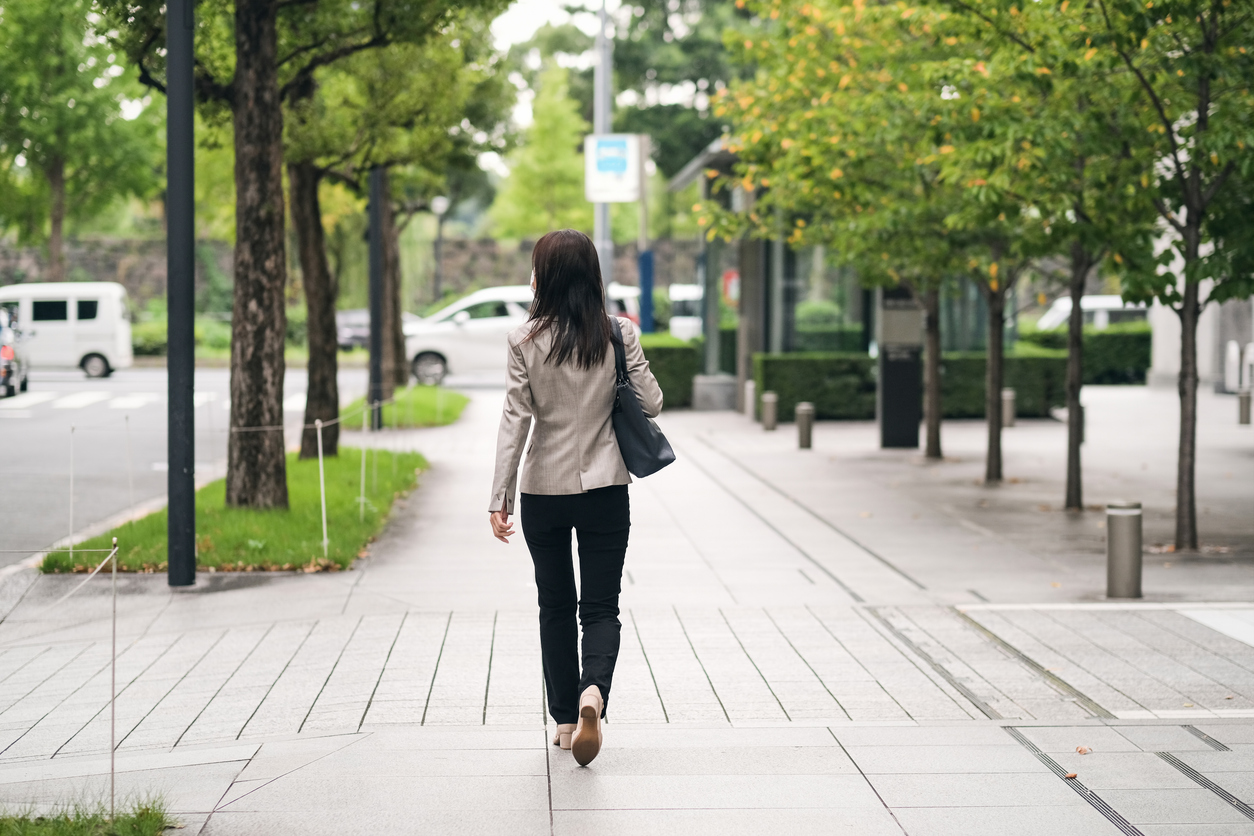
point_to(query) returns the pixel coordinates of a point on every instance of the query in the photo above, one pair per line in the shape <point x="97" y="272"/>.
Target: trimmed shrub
<point x="842" y="385"/>
<point x="1118" y="354"/>
<point x="674" y="363"/>
<point x="838" y="338"/>
<point x="148" y="339"/>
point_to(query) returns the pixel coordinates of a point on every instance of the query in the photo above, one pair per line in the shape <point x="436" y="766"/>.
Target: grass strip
<point x="415" y="406"/>
<point x="143" y="820"/>
<point x="246" y="539"/>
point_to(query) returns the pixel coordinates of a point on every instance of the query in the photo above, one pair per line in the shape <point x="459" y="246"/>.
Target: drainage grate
<point x="1096" y="801"/>
<point x="1202" y="781"/>
<point x="1206" y="738"/>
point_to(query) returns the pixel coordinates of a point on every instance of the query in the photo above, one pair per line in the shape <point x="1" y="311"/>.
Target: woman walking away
<point x="562" y="375"/>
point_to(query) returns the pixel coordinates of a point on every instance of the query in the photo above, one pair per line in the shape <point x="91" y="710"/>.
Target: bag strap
<point x="620" y="357"/>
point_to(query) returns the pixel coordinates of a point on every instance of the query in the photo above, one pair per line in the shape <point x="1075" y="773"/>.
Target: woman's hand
<point x="502" y="528"/>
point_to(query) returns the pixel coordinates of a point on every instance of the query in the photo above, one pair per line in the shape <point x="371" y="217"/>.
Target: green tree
<point x="253" y="58"/>
<point x="544" y="190"/>
<point x="68" y="149"/>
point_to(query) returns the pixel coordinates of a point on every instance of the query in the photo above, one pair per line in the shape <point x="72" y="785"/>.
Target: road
<point x="114" y="429"/>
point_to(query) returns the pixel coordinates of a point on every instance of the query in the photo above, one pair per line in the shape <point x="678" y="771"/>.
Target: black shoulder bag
<point x="645" y="450"/>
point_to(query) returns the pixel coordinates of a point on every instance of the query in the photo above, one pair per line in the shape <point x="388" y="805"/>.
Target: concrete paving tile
<point x="1233" y="829"/>
<point x="999" y="821"/>
<point x="1163" y="738"/>
<point x="1228" y="733"/>
<point x="1124" y="771"/>
<point x="850" y="821"/>
<point x="476" y="737"/>
<point x="757" y="760"/>
<point x="703" y="737"/>
<point x="364" y="761"/>
<point x="1182" y="806"/>
<point x="191" y="789"/>
<point x="1099" y="738"/>
<point x="967" y="734"/>
<point x="592" y="788"/>
<point x="293" y="793"/>
<point x="889" y="760"/>
<point x="1237" y="760"/>
<point x="331" y="821"/>
<point x="50" y="770"/>
<point x="1005" y="789"/>
<point x="1240" y="784"/>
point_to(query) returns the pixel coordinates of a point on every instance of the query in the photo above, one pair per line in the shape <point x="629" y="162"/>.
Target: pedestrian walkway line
<point x="813" y="513"/>
<point x="81" y="399"/>
<point x="134" y="401"/>
<point x="27" y="399"/>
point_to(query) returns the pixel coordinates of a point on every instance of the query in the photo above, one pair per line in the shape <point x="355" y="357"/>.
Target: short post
<point x="770" y="410"/>
<point x="805" y="424"/>
<point x="361" y="500"/>
<point x="322" y="485"/>
<point x="71" y="495"/>
<point x="1007" y="407"/>
<point x="1123" y="550"/>
<point x="1243" y="406"/>
<point x="751" y="400"/>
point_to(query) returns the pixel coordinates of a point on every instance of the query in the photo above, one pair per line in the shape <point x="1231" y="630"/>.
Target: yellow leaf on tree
<point x="844" y="81"/>
<point x="837" y="174"/>
<point x="992" y="283"/>
<point x="1088" y="56"/>
<point x="1043" y="71"/>
<point x="975" y="114"/>
<point x="946" y="149"/>
<point x="1065" y="4"/>
<point x="992" y="272"/>
<point x="902" y="87"/>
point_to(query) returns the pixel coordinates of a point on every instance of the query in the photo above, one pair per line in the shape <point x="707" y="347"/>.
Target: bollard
<point x="1243" y="406"/>
<point x="1123" y="550"/>
<point x="805" y="424"/>
<point x="770" y="410"/>
<point x="1007" y="407"/>
<point x="751" y="400"/>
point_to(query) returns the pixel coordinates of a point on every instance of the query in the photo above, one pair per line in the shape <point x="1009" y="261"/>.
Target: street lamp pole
<point x="602" y="106"/>
<point x="440" y="206"/>
<point x="180" y="268"/>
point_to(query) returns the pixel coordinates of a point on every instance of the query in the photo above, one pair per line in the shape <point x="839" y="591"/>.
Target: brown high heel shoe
<point x="561" y="737"/>
<point x="586" y="742"/>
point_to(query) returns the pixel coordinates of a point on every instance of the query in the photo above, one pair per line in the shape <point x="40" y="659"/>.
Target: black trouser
<point x="602" y="519"/>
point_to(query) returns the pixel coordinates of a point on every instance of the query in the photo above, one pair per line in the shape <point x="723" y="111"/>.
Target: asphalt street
<point x="114" y="431"/>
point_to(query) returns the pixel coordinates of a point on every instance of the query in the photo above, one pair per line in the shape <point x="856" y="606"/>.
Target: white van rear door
<point x="50" y="332"/>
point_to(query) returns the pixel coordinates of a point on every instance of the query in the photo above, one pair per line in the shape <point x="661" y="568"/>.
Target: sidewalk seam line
<point x="225" y="682"/>
<point x="161" y="699"/>
<point x="382" y="669"/>
<point x="868" y="780"/>
<point x="330" y="673"/>
<point x="487" y="685"/>
<point x="861" y="664"/>
<point x="270" y="690"/>
<point x="748" y="656"/>
<point x="435" y="670"/>
<point x="700" y="664"/>
<point x="632" y="615"/>
<point x="806" y="662"/>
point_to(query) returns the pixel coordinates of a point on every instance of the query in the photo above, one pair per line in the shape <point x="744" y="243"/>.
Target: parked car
<point x="73" y="325"/>
<point x="686" y="320"/>
<point x="1098" y="311"/>
<point x="352" y="327"/>
<point x="14" y="367"/>
<point x="468" y="336"/>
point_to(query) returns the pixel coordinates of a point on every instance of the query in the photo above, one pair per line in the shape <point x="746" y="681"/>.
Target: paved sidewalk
<point x="835" y="641"/>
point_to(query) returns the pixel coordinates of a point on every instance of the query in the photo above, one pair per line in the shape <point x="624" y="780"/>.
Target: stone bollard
<point x="770" y="410"/>
<point x="751" y="400"/>
<point x="1007" y="407"/>
<point x="1243" y="406"/>
<point x="805" y="424"/>
<point x="1123" y="550"/>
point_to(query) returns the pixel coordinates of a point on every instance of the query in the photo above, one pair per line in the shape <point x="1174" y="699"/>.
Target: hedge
<point x="840" y="338"/>
<point x="1118" y="354"/>
<point x="674" y="363"/>
<point x="842" y="385"/>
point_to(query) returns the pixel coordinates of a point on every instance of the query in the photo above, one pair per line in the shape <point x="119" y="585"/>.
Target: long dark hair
<point x="569" y="300"/>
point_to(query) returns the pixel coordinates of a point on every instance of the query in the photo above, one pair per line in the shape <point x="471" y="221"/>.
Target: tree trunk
<point x="56" y="239"/>
<point x="1081" y="263"/>
<point x="256" y="465"/>
<point x="322" y="396"/>
<point x="932" y="374"/>
<point x="993" y="381"/>
<point x="395" y="369"/>
<point x="1186" y="500"/>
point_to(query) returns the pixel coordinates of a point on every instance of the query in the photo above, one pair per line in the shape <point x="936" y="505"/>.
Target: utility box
<point x="899" y="393"/>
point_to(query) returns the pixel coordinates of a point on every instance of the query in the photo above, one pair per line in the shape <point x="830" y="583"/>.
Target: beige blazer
<point x="573" y="448"/>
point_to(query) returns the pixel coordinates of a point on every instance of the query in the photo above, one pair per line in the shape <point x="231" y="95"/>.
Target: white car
<point x="686" y="310"/>
<point x="468" y="336"/>
<point x="73" y="324"/>
<point x="1100" y="311"/>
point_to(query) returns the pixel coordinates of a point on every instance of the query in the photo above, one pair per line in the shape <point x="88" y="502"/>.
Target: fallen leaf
<point x="1229" y="697"/>
<point x="1055" y="584"/>
<point x="1083" y="750"/>
<point x="1188" y="705"/>
<point x="864" y="514"/>
<point x="1070" y="775"/>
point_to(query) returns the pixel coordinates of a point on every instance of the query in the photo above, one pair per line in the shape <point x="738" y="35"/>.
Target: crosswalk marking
<point x="294" y="403"/>
<point x="27" y="399"/>
<point x="202" y="398"/>
<point x="81" y="399"/>
<point x="134" y="401"/>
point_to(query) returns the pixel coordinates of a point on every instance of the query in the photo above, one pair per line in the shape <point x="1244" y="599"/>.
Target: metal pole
<point x="377" y="209"/>
<point x="1008" y="408"/>
<point x="1123" y="550"/>
<point x="322" y="485"/>
<point x="180" y="293"/>
<point x="71" y="495"/>
<point x="645" y="255"/>
<point x="113" y="684"/>
<point x="602" y="104"/>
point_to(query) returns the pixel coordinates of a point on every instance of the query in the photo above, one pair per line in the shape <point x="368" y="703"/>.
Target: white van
<point x="1099" y="311"/>
<point x="73" y="325"/>
<point x="687" y="311"/>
